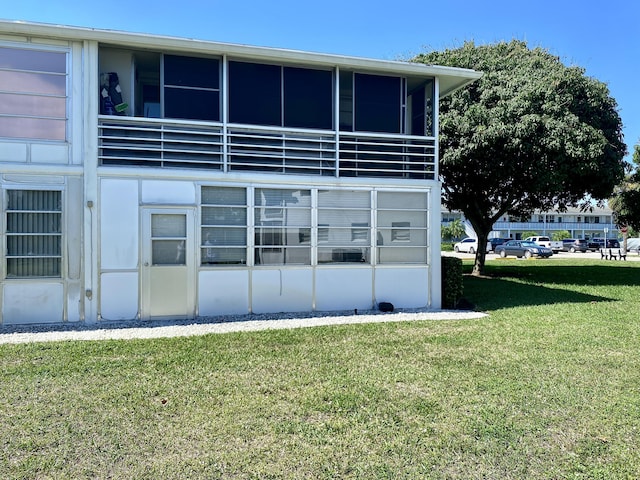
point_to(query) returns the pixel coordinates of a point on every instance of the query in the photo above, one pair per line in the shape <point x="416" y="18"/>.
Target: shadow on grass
<point x="496" y="293"/>
<point x="529" y="284"/>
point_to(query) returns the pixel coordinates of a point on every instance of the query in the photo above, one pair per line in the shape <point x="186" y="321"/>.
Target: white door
<point x="168" y="263"/>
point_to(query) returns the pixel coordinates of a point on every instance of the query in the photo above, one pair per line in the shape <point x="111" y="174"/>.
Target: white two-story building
<point x="149" y="177"/>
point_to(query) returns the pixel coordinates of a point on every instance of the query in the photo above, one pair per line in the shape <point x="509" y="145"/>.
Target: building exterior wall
<point x="579" y="224"/>
<point x="156" y="211"/>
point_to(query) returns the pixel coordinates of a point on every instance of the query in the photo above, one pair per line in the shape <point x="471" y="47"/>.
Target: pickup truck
<point x="546" y="242"/>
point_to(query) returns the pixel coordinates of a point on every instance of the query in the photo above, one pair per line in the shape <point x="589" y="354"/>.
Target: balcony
<point x="160" y="143"/>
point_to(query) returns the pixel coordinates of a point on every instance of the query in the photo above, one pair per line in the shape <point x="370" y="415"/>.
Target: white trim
<point x="455" y="78"/>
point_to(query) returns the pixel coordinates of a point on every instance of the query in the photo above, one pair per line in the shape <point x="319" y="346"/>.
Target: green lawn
<point x="546" y="387"/>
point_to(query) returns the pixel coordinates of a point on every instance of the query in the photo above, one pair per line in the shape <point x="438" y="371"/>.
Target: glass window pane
<point x="224" y="216"/>
<point x="28" y="82"/>
<point x="412" y="255"/>
<point x="191" y="71"/>
<point x="168" y="252"/>
<point x="377" y="103"/>
<point x="191" y="104"/>
<point x="35" y="128"/>
<point x="168" y="225"/>
<point x="346" y="101"/>
<point x="255" y="94"/>
<point x="283" y="256"/>
<point x="344" y="198"/>
<point x="11" y="104"/>
<point x="417" y="219"/>
<point x="343" y="218"/>
<point x="280" y="207"/>
<point x="402" y="201"/>
<point x="27" y="59"/>
<point x="283" y="197"/>
<point x="308" y="98"/>
<point x="409" y="236"/>
<point x="224" y="256"/>
<point x="343" y="255"/>
<point x="224" y="196"/>
<point x="224" y="236"/>
<point x="417" y="102"/>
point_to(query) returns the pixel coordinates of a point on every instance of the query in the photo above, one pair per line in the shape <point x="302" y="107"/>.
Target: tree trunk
<point x="481" y="254"/>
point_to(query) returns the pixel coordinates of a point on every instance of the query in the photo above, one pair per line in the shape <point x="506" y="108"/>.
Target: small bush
<point x="446" y="247"/>
<point x="451" y="281"/>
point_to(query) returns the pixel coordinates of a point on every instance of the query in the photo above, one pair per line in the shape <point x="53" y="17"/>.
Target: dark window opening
<point x="254" y="93"/>
<point x="191" y="88"/>
<point x="307" y="98"/>
<point x="378" y="104"/>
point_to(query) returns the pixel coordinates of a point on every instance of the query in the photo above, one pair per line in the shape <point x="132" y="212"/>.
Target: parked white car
<point x="468" y="245"/>
<point x="556" y="246"/>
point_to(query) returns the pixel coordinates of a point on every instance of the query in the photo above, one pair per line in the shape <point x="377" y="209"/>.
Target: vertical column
<point x="88" y="96"/>
<point x="435" y="269"/>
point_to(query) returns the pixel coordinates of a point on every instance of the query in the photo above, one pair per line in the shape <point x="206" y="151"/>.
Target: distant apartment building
<point x="595" y="223"/>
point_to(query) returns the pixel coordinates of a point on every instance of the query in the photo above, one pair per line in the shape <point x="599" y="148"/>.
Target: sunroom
<point x="234" y="113"/>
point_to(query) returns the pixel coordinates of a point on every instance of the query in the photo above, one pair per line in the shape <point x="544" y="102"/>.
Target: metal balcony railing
<point x="130" y="141"/>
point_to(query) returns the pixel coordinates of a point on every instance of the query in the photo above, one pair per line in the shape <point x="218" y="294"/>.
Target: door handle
<point x="146" y="264"/>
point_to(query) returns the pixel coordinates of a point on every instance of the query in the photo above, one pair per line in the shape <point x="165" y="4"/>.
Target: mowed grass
<point x="546" y="387"/>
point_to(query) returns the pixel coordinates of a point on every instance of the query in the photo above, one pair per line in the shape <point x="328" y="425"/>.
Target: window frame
<point x="207" y="250"/>
<point x="65" y="97"/>
<point x="279" y="104"/>
<point x="59" y="257"/>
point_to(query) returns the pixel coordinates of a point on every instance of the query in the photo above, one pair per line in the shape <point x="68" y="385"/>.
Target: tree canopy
<point x="625" y="201"/>
<point x="531" y="134"/>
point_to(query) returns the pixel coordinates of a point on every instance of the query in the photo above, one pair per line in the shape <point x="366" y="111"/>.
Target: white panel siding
<point x="119" y="224"/>
<point x="13" y="152"/>
<point x="40" y="302"/>
<point x="119" y="296"/>
<point x="43" y="153"/>
<point x="282" y="290"/>
<point x="166" y="192"/>
<point x="75" y="297"/>
<point x="404" y="287"/>
<point x="223" y="292"/>
<point x="344" y="289"/>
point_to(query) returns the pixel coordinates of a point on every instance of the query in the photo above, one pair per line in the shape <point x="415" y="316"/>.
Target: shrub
<point x="451" y="281"/>
<point x="560" y="235"/>
<point x="446" y="247"/>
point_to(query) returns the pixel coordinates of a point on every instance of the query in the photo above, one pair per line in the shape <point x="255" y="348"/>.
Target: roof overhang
<point x="450" y="78"/>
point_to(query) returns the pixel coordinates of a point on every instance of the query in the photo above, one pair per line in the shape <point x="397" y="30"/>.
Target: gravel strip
<point x="239" y="323"/>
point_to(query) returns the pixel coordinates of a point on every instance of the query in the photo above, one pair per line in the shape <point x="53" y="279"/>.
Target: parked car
<point x="574" y="245"/>
<point x="468" y="245"/>
<point x="492" y="243"/>
<point x="596" y="244"/>
<point x="554" y="245"/>
<point x="523" y="248"/>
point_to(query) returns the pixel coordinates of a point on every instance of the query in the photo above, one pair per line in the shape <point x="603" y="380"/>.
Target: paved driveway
<point x="631" y="256"/>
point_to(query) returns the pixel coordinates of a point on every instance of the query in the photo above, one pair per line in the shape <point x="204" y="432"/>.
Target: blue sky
<point x="598" y="36"/>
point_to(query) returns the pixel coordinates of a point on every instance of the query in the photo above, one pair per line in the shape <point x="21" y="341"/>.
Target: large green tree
<point x="531" y="134"/>
<point x="625" y="201"/>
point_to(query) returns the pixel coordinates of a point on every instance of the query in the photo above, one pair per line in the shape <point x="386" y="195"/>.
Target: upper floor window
<point x="33" y="94"/>
<point x="191" y="88"/>
<point x="371" y="103"/>
<point x="261" y="94"/>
